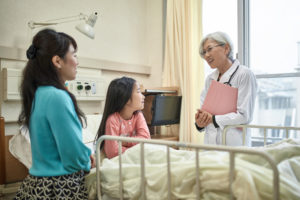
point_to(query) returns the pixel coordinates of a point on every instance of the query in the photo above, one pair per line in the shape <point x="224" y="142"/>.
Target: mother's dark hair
<point x="40" y="70"/>
<point x="118" y="94"/>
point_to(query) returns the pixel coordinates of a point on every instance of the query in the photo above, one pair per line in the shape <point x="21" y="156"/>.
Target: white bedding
<point x="253" y="176"/>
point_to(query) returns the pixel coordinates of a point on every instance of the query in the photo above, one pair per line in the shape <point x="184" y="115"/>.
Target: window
<point x="274" y="56"/>
<point x="274" y="36"/>
<point x="222" y="17"/>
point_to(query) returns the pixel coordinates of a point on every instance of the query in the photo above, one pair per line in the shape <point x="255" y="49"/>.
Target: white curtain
<point x="183" y="66"/>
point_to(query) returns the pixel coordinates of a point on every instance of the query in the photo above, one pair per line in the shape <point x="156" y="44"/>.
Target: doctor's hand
<point x="203" y="118"/>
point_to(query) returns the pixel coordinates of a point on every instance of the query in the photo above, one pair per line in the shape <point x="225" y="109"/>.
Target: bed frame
<point x="170" y="144"/>
<point x="265" y="128"/>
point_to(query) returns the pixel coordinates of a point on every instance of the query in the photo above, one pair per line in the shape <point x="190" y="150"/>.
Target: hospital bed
<point x="168" y="173"/>
<point x="238" y="160"/>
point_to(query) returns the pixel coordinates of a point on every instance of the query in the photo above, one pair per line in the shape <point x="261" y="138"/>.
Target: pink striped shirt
<point x="117" y="126"/>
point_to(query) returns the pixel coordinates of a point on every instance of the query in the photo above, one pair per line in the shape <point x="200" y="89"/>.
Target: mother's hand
<point x="93" y="161"/>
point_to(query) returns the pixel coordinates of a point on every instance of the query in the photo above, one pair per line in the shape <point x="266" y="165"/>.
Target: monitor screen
<point x="166" y="110"/>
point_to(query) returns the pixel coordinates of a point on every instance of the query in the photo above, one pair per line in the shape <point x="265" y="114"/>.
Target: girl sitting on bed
<point x="59" y="157"/>
<point x="122" y="115"/>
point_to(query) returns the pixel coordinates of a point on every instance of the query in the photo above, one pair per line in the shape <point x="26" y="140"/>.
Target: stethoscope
<point x="228" y="82"/>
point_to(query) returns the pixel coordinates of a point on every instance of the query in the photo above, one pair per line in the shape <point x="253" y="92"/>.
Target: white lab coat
<point x="245" y="81"/>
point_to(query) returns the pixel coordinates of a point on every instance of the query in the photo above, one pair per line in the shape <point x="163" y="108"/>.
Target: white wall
<point x="128" y="32"/>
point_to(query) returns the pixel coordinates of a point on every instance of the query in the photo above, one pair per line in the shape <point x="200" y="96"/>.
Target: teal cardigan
<point x="56" y="135"/>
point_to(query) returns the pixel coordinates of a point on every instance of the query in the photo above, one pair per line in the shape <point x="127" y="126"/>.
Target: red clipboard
<point x="220" y="99"/>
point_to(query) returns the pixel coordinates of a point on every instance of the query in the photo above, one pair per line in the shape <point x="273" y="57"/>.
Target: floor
<point x="7" y="196"/>
<point x="8" y="191"/>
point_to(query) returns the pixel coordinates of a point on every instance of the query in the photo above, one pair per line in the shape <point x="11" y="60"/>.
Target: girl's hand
<point x="125" y="144"/>
<point x="93" y="161"/>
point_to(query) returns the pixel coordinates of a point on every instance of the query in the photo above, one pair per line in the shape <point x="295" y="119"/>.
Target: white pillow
<point x="89" y="133"/>
<point x="19" y="146"/>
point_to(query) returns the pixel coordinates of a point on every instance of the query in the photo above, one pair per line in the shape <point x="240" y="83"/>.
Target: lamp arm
<point x="79" y="17"/>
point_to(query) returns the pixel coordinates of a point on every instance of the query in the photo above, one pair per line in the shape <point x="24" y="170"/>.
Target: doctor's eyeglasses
<point x="208" y="50"/>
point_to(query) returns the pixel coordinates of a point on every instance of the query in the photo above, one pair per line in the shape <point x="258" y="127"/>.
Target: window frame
<point x="244" y="40"/>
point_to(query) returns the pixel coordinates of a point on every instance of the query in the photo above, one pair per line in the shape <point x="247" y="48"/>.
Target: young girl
<point x="122" y="115"/>
<point x="59" y="157"/>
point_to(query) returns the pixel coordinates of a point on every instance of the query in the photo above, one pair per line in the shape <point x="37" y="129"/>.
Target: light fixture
<point x="86" y="28"/>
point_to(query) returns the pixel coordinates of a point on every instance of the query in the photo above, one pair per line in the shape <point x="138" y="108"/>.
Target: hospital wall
<point x="128" y="41"/>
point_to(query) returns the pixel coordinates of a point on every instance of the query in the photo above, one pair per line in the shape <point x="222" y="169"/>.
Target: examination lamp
<point x="87" y="28"/>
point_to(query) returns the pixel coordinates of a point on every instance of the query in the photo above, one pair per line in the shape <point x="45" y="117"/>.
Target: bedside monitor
<point x="166" y="110"/>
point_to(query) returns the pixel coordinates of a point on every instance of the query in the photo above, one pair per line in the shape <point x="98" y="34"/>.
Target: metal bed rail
<point x="265" y="128"/>
<point x="169" y="144"/>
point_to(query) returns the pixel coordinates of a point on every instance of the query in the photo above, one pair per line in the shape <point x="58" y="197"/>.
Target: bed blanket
<point x="253" y="176"/>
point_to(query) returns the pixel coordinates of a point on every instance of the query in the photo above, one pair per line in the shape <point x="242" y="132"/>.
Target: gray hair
<point x="221" y="38"/>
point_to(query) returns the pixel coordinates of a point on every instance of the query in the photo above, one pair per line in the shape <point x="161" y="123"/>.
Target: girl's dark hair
<point x="118" y="93"/>
<point x="40" y="71"/>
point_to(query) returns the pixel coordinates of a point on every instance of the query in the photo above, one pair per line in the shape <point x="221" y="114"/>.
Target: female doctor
<point x="217" y="49"/>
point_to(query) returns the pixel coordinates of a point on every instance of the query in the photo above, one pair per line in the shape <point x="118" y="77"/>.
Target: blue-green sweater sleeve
<point x="67" y="132"/>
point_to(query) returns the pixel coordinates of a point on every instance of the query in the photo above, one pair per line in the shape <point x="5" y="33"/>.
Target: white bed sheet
<point x="253" y="176"/>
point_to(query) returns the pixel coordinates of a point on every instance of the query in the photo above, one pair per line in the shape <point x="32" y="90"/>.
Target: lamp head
<point x="87" y="27"/>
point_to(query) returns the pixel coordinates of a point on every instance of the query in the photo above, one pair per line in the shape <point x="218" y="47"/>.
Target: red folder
<point x="220" y="99"/>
